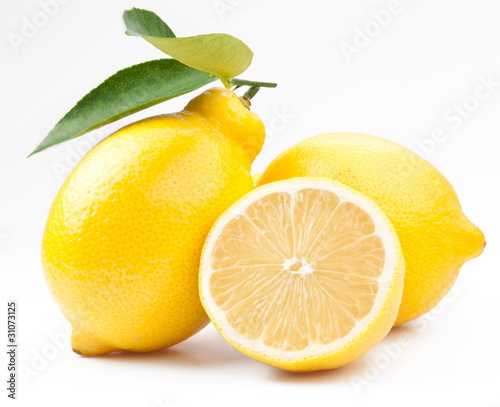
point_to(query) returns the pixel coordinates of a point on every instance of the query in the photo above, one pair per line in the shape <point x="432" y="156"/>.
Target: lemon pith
<point x="123" y="238"/>
<point x="303" y="274"/>
<point x="436" y="237"/>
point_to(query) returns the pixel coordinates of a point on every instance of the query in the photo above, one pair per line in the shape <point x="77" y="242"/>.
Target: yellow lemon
<point x="303" y="274"/>
<point x="436" y="236"/>
<point x="123" y="239"/>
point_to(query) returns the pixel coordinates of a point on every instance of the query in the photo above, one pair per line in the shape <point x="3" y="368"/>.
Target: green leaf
<point x="126" y="92"/>
<point x="218" y="54"/>
<point x="136" y="19"/>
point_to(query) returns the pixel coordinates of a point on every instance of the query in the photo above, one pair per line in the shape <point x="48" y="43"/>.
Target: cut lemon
<point x="303" y="274"/>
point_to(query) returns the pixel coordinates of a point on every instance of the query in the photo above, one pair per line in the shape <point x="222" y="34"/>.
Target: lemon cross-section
<point x="298" y="269"/>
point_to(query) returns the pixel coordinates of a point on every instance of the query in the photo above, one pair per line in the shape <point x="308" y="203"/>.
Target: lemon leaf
<point x="221" y="55"/>
<point x="137" y="20"/>
<point x="126" y="92"/>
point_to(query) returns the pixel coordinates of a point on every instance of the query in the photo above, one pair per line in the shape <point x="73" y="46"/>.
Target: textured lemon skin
<point x="123" y="239"/>
<point x="436" y="236"/>
<point x="374" y="332"/>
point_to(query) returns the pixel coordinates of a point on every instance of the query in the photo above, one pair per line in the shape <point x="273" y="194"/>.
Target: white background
<point x="403" y="84"/>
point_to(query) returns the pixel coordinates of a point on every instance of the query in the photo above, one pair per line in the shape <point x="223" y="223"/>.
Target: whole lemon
<point x="123" y="239"/>
<point x="436" y="237"/>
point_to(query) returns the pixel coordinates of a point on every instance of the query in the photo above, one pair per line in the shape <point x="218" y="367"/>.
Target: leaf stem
<point x="243" y="82"/>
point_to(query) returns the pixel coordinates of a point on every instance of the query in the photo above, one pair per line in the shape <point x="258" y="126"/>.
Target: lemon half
<point x="303" y="274"/>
